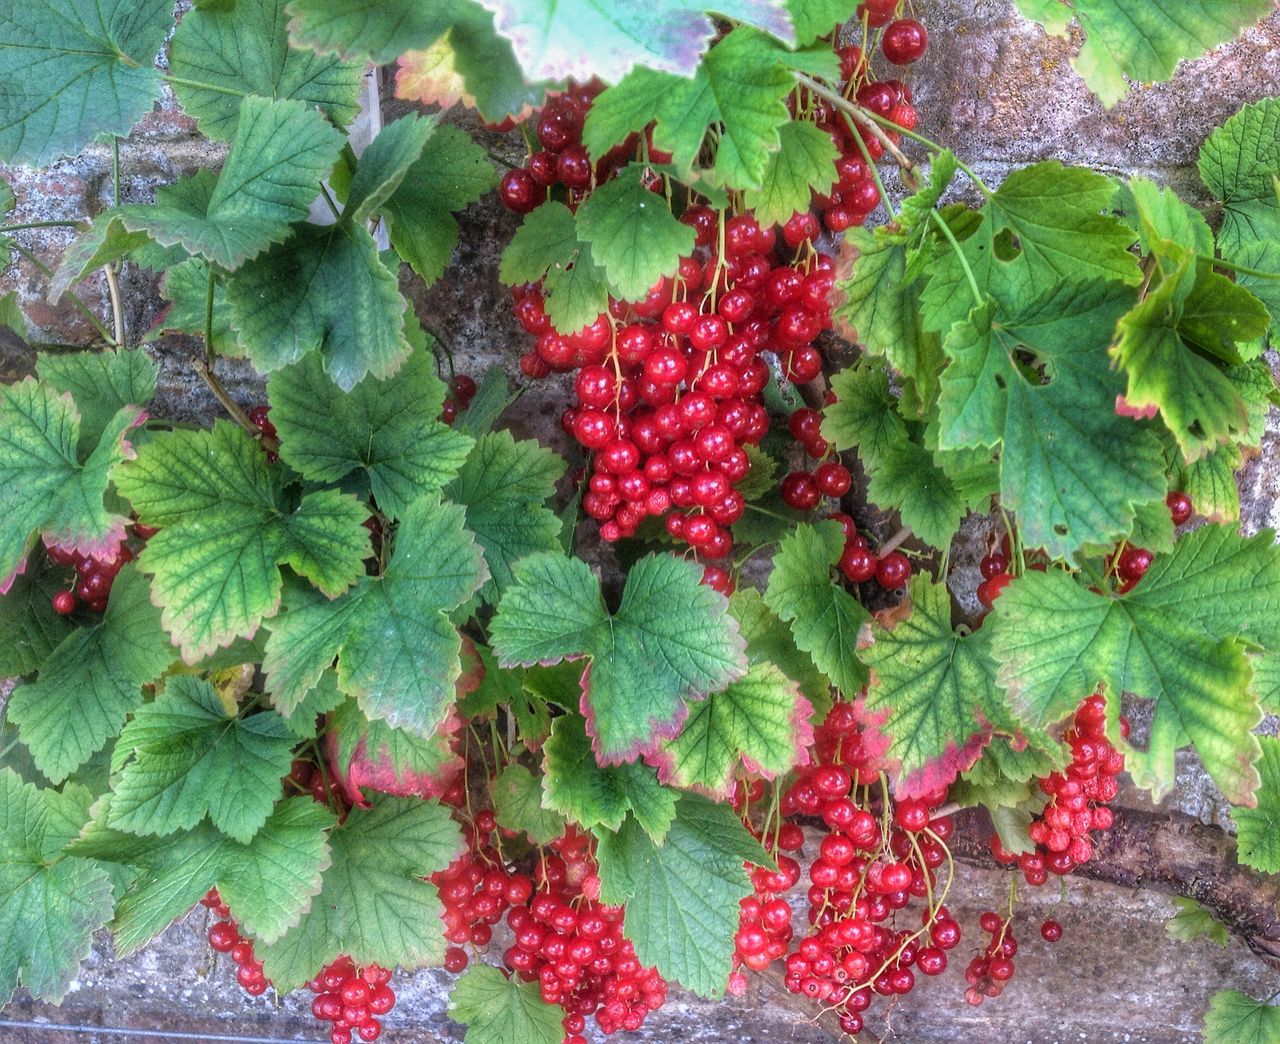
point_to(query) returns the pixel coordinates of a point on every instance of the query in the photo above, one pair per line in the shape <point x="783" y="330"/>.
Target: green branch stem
<point x="950" y="236"/>
<point x="117" y="305"/>
<point x="83" y="308"/>
<point x="205" y="371"/>
<point x="1231" y="266"/>
<point x="871" y="166"/>
<point x="860" y="116"/>
<point x="929" y="143"/>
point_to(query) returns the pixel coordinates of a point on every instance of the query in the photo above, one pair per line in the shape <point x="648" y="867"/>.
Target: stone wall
<point x="1000" y="93"/>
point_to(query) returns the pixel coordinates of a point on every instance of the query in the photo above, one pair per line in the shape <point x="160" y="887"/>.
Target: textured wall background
<point x="1000" y="93"/>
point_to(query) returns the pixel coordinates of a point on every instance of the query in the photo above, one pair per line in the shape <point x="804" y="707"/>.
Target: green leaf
<point x="907" y="479"/>
<point x="1210" y="482"/>
<point x="769" y="640"/>
<point x="1177" y="638"/>
<point x="681" y="897"/>
<point x="1045" y="225"/>
<point x="1264" y="257"/>
<point x="805" y="164"/>
<point x="71" y="70"/>
<point x="1192" y="921"/>
<point x="397" y="651"/>
<point x="379" y="30"/>
<point x="740" y="85"/>
<point x="186" y="287"/>
<point x="548" y="246"/>
<point x="580" y="39"/>
<point x="670" y="642"/>
<point x="518" y="801"/>
<point x="864" y="415"/>
<point x="182" y="758"/>
<point x="1258" y="829"/>
<point x="1164" y="223"/>
<point x="29" y="628"/>
<point x="583" y="791"/>
<point x="451" y="174"/>
<point x="1234" y="1018"/>
<point x="824" y="617"/>
<point x="50" y="904"/>
<point x="268" y="883"/>
<point x="761" y="720"/>
<point x="1123" y="41"/>
<point x="92" y="681"/>
<point x="815" y="18"/>
<point x="1240" y="164"/>
<point x="45" y="488"/>
<point x="325" y="289"/>
<point x="374" y="904"/>
<point x="218" y="55"/>
<point x="1055" y="425"/>
<point x="504" y="486"/>
<point x="632" y="233"/>
<point x="101" y="383"/>
<point x="932" y="691"/>
<point x="373" y="754"/>
<point x="498" y="1009"/>
<point x="1194" y="398"/>
<point x="225" y="532"/>
<point x="389" y="429"/>
<point x="280" y="150"/>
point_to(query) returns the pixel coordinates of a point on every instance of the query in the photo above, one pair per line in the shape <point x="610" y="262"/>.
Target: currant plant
<point x="384" y="686"/>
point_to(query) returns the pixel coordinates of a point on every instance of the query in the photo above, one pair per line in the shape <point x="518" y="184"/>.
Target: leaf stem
<point x="950" y="237"/>
<point x="8" y="229"/>
<point x="895" y="541"/>
<point x="83" y="308"/>
<point x="863" y="119"/>
<point x="117" y="308"/>
<point x="208" y="320"/>
<point x="206" y="374"/>
<point x="1216" y="262"/>
<point x="929" y="143"/>
<point x="871" y="165"/>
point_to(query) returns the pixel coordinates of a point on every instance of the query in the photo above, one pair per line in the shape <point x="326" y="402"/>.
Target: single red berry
<point x="832" y="478"/>
<point x="1180" y="507"/>
<point x="893" y="571"/>
<point x="904" y="41"/>
<point x="64" y="602"/>
<point x="1051" y="931"/>
<point x="800" y="492"/>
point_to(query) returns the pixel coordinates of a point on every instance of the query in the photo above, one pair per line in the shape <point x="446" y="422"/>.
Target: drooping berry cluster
<point x="461" y="391"/>
<point x="94" y="574"/>
<point x="874" y="859"/>
<point x="1078" y="798"/>
<point x="225" y="937"/>
<point x="988" y="972"/>
<point x="891" y="570"/>
<point x="354" y="999"/>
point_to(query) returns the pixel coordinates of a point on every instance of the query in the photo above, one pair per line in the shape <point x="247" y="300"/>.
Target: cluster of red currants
<point x="1078" y="798"/>
<point x="95" y="574"/>
<point x="891" y="569"/>
<point x="988" y="972"/>
<point x="461" y="391"/>
<point x="353" y="999"/>
<point x="874" y="859"/>
<point x="225" y="937"/>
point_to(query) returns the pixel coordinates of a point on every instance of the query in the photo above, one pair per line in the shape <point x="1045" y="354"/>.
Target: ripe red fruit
<point x="893" y="571"/>
<point x="800" y="492"/>
<point x="832" y="478"/>
<point x="1051" y="931"/>
<point x="858" y="564"/>
<point x="904" y="41"/>
<point x="1180" y="507"/>
<point x="518" y="191"/>
<point x="64" y="602"/>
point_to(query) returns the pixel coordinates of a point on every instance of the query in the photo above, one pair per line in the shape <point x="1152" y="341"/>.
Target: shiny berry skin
<point x="518" y="191"/>
<point x="904" y="41"/>
<point x="1180" y="507"/>
<point x="893" y="571"/>
<point x="1133" y="564"/>
<point x="832" y="478"/>
<point x="858" y="564"/>
<point x="455" y="959"/>
<point x="800" y="228"/>
<point x="993" y="565"/>
<point x="64" y="602"/>
<point x="800" y="492"/>
<point x="990" y="590"/>
<point x="1051" y="931"/>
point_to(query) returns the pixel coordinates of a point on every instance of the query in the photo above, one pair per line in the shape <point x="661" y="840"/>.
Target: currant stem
<point x="117" y="309"/>
<point x="895" y="541"/>
<point x="269" y="442"/>
<point x="81" y="307"/>
<point x="1218" y="262"/>
<point x="7" y="229"/>
<point x="208" y="319"/>
<point x="871" y="165"/>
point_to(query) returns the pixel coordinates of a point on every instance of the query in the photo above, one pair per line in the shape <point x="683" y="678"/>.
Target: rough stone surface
<point x="1001" y="93"/>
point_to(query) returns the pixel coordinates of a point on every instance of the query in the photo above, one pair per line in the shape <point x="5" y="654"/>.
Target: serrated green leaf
<point x="592" y="796"/>
<point x="182" y="758"/>
<point x="389" y="429"/>
<point x="452" y="173"/>
<point x="908" y="480"/>
<point x="498" y="1009"/>
<point x="376" y="755"/>
<point x="1164" y="223"/>
<point x="815" y="18"/>
<point x="217" y="56"/>
<point x="325" y="289"/>
<point x="1045" y="225"/>
<point x="45" y="488"/>
<point x="50" y="904"/>
<point x="548" y="247"/>
<point x="740" y="85"/>
<point x="397" y="651"/>
<point x="1258" y="829"/>
<point x="1210" y="482"/>
<point x="1193" y="921"/>
<point x="681" y="897"/>
<point x="268" y="883"/>
<point x="72" y="70"/>
<point x="504" y="486"/>
<point x="864" y="415"/>
<point x="632" y="233"/>
<point x="92" y="681"/>
<point x="215" y="564"/>
<point x="760" y="721"/>
<point x="1263" y="256"/>
<point x="101" y="383"/>
<point x="279" y="152"/>
<point x="383" y="165"/>
<point x="824" y="617"/>
<point x="517" y="802"/>
<point x="1240" y="164"/>
<point x="374" y="29"/>
<point x="1176" y="639"/>
<point x="670" y="642"/>
<point x="932" y="691"/>
<point x="805" y="164"/>
<point x="373" y="904"/>
<point x="105" y="241"/>
<point x="580" y="39"/>
<point x="1144" y="43"/>
<point x="769" y="640"/>
<point x="1235" y="1018"/>
<point x="1054" y="427"/>
<point x="186" y="287"/>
